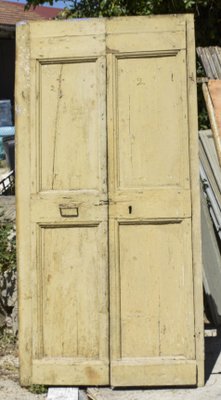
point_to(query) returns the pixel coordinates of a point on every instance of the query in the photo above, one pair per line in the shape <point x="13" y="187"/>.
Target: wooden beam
<point x="212" y="119"/>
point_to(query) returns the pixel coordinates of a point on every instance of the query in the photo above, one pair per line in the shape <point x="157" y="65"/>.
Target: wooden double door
<point x="107" y="193"/>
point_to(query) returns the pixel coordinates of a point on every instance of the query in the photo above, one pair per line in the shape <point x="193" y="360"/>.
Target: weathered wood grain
<point x="65" y="206"/>
<point x="152" y="144"/>
<point x="195" y="200"/>
<point x="214" y="87"/>
<point x="23" y="181"/>
<point x="140" y="71"/>
<point x="213" y="121"/>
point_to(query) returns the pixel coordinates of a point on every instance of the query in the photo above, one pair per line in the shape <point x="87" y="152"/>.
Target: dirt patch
<point x="10" y="390"/>
<point x="9" y="368"/>
<point x="9" y="372"/>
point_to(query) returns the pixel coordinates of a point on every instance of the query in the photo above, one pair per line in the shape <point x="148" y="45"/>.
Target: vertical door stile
<point x="195" y="191"/>
<point x="113" y="228"/>
<point x="23" y="182"/>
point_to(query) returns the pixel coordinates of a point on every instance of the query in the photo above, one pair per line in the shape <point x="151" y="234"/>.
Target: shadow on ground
<point x="212" y="354"/>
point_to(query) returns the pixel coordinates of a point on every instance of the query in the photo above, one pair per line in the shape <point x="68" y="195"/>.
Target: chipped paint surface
<point x="93" y="245"/>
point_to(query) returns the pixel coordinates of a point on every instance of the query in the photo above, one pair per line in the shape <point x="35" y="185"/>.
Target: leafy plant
<point x="7" y="339"/>
<point x="203" y="119"/>
<point x="7" y="343"/>
<point x="38" y="389"/>
<point x="7" y="247"/>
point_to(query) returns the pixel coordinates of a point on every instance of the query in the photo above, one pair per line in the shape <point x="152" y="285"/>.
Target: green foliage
<point x="7" y="341"/>
<point x="7" y="247"/>
<point x="38" y="389"/>
<point x="111" y="8"/>
<point x="203" y="119"/>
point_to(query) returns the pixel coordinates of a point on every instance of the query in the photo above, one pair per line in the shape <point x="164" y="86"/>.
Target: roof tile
<point x="11" y="13"/>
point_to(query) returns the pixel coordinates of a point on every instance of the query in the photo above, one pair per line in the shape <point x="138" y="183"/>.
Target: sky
<point x="57" y="4"/>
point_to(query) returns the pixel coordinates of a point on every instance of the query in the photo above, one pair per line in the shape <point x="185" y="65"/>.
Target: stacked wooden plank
<point x="212" y="96"/>
<point x="211" y="60"/>
<point x="211" y="218"/>
<point x="210" y="173"/>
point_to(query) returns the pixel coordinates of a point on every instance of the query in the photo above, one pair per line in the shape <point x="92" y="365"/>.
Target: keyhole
<point x="130" y="209"/>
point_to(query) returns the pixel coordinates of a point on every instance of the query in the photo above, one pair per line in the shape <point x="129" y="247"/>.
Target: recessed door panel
<point x="143" y="85"/>
<point x="150" y="323"/>
<point x="70" y="128"/>
<point x="69" y="291"/>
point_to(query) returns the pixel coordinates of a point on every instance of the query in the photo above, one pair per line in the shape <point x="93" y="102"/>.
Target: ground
<point x="11" y="390"/>
<point x="9" y="372"/>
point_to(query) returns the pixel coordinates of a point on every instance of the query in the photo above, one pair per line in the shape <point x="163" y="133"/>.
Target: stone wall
<point x="8" y="273"/>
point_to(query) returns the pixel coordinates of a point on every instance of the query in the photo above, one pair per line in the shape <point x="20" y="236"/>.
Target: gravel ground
<point x="10" y="390"/>
<point x="9" y="375"/>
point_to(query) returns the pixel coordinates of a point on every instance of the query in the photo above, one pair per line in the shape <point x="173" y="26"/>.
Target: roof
<point x="11" y="13"/>
<point x="48" y="12"/>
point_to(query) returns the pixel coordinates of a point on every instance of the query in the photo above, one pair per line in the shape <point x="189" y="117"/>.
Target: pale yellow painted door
<point x="154" y="284"/>
<point x="152" y="181"/>
<point x="65" y="340"/>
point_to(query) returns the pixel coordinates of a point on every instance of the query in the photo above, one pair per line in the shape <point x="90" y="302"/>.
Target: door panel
<point x="150" y="229"/>
<point x="70" y="279"/>
<point x="70" y="318"/>
<point x="150" y="322"/>
<point x="143" y="85"/>
<point x="71" y="123"/>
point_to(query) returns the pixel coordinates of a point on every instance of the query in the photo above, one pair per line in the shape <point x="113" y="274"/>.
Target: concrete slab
<point x="82" y="395"/>
<point x="211" y="390"/>
<point x="62" y="393"/>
